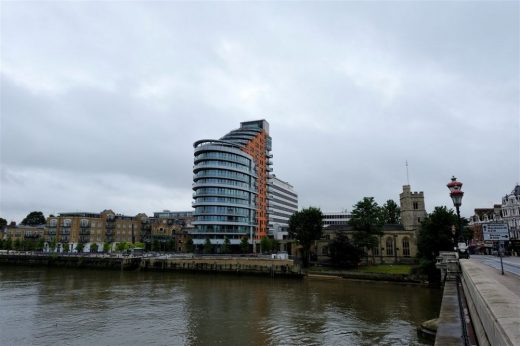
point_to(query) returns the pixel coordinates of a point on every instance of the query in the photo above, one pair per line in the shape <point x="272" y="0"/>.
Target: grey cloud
<point x="101" y="102"/>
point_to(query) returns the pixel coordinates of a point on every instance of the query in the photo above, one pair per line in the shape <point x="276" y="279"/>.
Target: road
<point x="511" y="264"/>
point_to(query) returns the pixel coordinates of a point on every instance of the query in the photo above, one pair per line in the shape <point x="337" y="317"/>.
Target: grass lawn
<point x="387" y="269"/>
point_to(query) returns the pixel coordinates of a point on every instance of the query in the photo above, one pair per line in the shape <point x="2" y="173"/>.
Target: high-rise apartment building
<point x="283" y="202"/>
<point x="230" y="185"/>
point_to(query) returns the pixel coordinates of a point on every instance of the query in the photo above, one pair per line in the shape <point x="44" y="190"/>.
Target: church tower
<point x="413" y="211"/>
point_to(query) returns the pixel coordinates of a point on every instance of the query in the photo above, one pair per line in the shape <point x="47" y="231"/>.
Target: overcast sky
<point x="101" y="101"/>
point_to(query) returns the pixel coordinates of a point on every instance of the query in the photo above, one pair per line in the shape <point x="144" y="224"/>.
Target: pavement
<point x="498" y="297"/>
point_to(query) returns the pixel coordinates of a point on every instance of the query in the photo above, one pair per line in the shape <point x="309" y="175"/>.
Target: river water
<point x="40" y="306"/>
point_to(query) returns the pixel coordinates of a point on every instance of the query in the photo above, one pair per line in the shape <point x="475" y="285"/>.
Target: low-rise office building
<point x="336" y="218"/>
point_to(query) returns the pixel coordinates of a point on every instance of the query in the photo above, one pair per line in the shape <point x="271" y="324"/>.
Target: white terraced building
<point x="511" y="212"/>
<point x="283" y="202"/>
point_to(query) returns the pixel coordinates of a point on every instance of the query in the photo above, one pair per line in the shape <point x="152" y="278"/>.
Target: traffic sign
<point x="495" y="231"/>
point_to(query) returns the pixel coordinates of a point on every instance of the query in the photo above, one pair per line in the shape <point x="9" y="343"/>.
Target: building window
<point x="415" y="205"/>
<point x="406" y="247"/>
<point x="389" y="246"/>
<point x="325" y="250"/>
<point x="375" y="251"/>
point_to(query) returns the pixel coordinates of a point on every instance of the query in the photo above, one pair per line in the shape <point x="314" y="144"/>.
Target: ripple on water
<point x="66" y="307"/>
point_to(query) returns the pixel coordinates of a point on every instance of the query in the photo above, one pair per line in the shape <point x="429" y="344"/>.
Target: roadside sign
<point x="495" y="231"/>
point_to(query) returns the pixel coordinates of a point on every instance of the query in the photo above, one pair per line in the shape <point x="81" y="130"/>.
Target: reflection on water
<point x="84" y="307"/>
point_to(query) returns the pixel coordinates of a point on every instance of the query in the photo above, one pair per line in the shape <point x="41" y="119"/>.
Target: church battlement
<point x="413" y="210"/>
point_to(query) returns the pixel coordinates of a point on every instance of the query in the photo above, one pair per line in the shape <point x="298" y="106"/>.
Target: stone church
<point x="397" y="244"/>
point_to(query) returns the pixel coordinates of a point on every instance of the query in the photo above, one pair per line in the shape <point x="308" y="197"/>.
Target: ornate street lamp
<point x="456" y="195"/>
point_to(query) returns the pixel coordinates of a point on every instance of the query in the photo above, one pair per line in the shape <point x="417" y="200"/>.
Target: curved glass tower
<point x="230" y="185"/>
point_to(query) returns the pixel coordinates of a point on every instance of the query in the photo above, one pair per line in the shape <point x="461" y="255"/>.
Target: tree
<point x="434" y="236"/>
<point x="189" y="245"/>
<point x="171" y="244"/>
<point x="208" y="248"/>
<point x="265" y="244"/>
<point x="391" y="212"/>
<point x="342" y="252"/>
<point x="66" y="247"/>
<point x="3" y="223"/>
<point x="244" y="245"/>
<point x="94" y="248"/>
<point x="306" y="226"/>
<point x="106" y="247"/>
<point x="467" y="232"/>
<point x="80" y="247"/>
<point x="52" y="245"/>
<point x="226" y="247"/>
<point x="8" y="244"/>
<point x="34" y="218"/>
<point x="39" y="245"/>
<point x="120" y="247"/>
<point x="275" y="245"/>
<point x="367" y="222"/>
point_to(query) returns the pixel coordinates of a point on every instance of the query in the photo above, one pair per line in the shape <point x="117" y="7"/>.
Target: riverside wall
<point x="236" y="265"/>
<point x="231" y="265"/>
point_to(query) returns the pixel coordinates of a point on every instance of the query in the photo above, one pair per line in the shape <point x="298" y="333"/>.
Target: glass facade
<point x="230" y="185"/>
<point x="224" y="185"/>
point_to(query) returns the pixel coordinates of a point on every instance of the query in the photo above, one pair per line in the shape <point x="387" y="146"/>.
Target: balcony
<point x="51" y="232"/>
<point x="84" y="239"/>
<point x="84" y="231"/>
<point x="110" y="225"/>
<point x="65" y="232"/>
<point x="109" y="232"/>
<point x="65" y="239"/>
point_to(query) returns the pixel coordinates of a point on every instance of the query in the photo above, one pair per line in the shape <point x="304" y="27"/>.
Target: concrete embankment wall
<point x="226" y="265"/>
<point x="352" y="275"/>
<point x="237" y="265"/>
<point x="494" y="309"/>
<point x="113" y="263"/>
